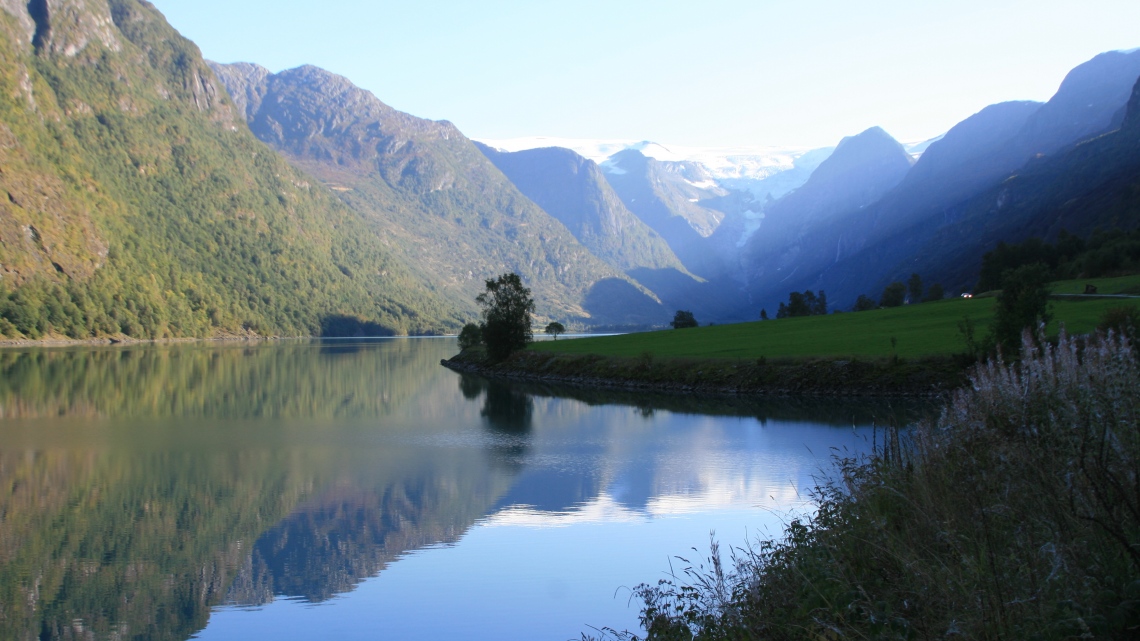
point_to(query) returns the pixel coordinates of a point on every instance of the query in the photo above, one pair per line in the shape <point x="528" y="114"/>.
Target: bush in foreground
<point x="1015" y="515"/>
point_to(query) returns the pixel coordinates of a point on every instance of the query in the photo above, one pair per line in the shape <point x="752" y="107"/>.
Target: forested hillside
<point x="136" y="202"/>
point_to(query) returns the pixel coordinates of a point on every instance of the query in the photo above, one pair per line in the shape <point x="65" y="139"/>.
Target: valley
<point x="154" y="195"/>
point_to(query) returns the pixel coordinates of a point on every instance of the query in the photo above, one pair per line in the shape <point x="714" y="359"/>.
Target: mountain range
<point x="431" y="196"/>
<point x="148" y="193"/>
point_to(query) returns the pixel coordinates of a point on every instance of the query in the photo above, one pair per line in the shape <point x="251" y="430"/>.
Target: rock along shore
<point x="726" y="377"/>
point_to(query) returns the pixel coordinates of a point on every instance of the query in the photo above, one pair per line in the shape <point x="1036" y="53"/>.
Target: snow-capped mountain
<point x="721" y="162"/>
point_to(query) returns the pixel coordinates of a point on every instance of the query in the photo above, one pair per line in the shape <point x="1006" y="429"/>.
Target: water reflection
<point x="332" y="379"/>
<point x="143" y="488"/>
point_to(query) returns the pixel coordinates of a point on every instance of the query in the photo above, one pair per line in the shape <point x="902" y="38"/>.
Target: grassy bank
<point x="914" y="350"/>
<point x="912" y="331"/>
<point x="1015" y="515"/>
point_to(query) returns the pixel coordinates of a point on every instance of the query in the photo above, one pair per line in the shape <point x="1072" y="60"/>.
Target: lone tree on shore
<point x="683" y="318"/>
<point x="554" y="329"/>
<point x="507" y="307"/>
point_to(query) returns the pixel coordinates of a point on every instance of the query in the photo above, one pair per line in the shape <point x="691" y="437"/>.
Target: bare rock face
<point x="247" y="84"/>
<point x="18" y="9"/>
<point x="64" y="27"/>
<point x="574" y="190"/>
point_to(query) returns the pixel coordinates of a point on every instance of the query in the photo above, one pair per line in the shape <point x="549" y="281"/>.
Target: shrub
<point x="1121" y="320"/>
<point x="894" y="295"/>
<point x="805" y="303"/>
<point x="914" y="288"/>
<point x="936" y="292"/>
<point x="1023" y="303"/>
<point x="470" y="336"/>
<point x="683" y="319"/>
<point x="1015" y="514"/>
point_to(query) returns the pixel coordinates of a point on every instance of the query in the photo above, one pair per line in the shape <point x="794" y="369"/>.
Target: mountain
<point x="1094" y="184"/>
<point x="930" y="222"/>
<point x="1086" y="104"/>
<point x="861" y="170"/>
<point x="431" y="196"/>
<point x="667" y="196"/>
<point x="573" y="190"/>
<point x="135" y="201"/>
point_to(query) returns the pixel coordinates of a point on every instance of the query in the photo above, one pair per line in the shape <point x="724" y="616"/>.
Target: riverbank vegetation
<point x="1015" y="514"/>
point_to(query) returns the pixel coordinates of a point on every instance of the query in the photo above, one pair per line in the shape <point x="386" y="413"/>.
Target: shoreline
<point x="124" y="341"/>
<point x="890" y="378"/>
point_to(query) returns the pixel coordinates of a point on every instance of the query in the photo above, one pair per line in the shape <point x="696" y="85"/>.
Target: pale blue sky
<point x="728" y="73"/>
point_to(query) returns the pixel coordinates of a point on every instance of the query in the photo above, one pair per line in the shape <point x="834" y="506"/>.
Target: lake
<point x="356" y="489"/>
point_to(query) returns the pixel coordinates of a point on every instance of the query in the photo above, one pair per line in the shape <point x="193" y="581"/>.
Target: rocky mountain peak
<point x="872" y="153"/>
<point x="18" y="9"/>
<point x="246" y="82"/>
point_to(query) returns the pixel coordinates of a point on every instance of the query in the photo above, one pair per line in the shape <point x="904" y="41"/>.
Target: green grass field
<point x="1121" y="285"/>
<point x="928" y="329"/>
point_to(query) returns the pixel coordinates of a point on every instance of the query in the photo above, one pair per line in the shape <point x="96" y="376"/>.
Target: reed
<point x="1014" y="515"/>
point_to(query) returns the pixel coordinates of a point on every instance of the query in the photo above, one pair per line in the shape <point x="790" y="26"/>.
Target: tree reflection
<point x="471" y="386"/>
<point x="507" y="413"/>
<point x="506" y="410"/>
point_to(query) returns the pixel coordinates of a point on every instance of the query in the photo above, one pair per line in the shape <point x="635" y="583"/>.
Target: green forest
<point x="138" y="204"/>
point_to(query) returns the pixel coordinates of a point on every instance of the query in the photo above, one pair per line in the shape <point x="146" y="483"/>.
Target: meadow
<point x="910" y="331"/>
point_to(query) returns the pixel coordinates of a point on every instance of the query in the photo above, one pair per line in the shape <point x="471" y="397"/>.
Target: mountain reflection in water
<point x="144" y="487"/>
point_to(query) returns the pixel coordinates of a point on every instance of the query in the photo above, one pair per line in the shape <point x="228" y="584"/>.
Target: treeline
<point x="1105" y="253"/>
<point x="808" y="303"/>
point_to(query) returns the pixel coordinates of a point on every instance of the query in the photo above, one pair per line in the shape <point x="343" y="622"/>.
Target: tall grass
<point x="1014" y="515"/>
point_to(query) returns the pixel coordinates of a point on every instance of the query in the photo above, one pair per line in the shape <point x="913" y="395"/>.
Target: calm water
<point x="358" y="490"/>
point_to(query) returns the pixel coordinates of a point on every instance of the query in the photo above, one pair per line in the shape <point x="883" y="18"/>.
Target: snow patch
<point x="747" y="162"/>
<point x="704" y="184"/>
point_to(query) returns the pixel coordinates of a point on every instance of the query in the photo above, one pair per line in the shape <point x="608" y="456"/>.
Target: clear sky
<point x="714" y="73"/>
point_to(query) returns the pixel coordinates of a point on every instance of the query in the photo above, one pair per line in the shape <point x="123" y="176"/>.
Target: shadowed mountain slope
<point x="864" y="249"/>
<point x="945" y="215"/>
<point x="1094" y="184"/>
<point x="861" y="170"/>
<point x="573" y="190"/>
<point x="667" y="196"/>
